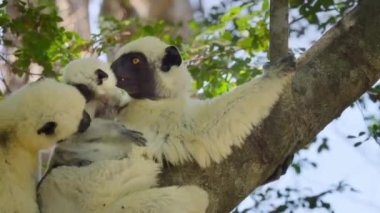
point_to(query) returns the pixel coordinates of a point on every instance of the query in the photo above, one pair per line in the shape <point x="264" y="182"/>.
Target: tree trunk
<point x="331" y="75"/>
<point x="174" y="11"/>
<point x="153" y="10"/>
<point x="75" y="16"/>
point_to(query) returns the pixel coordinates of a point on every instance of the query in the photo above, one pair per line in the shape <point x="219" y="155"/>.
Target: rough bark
<point x="175" y="11"/>
<point x="118" y="9"/>
<point x="279" y="29"/>
<point x="75" y="16"/>
<point x="332" y="74"/>
<point x="169" y="10"/>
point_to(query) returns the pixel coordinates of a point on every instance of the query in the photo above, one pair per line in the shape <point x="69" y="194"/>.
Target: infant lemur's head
<point x="41" y="114"/>
<point x="150" y="68"/>
<point x="93" y="77"/>
<point x="96" y="80"/>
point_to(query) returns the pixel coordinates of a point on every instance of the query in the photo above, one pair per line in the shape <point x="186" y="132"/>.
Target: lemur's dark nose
<point x="172" y="57"/>
<point x="84" y="123"/>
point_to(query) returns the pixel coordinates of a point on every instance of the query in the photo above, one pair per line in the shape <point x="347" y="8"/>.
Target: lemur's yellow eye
<point x="135" y="61"/>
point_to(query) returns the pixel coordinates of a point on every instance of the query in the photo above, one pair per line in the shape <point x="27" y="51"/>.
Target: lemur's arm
<point x="228" y="119"/>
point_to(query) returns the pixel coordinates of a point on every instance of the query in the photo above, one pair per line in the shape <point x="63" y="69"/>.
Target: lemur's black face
<point x="135" y="75"/>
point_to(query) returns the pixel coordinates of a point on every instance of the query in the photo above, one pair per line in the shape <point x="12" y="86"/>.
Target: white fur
<point x="107" y="95"/>
<point x="116" y="186"/>
<point x="21" y="115"/>
<point x="181" y="128"/>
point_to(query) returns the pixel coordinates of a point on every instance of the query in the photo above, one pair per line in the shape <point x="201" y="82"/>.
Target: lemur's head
<point x="150" y="68"/>
<point x="94" y="78"/>
<point x="42" y="113"/>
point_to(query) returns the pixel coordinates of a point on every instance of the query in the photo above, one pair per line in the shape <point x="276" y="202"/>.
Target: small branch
<point x="7" y="88"/>
<point x="279" y="29"/>
<point x="3" y="81"/>
<point x="295" y="20"/>
<point x="6" y="61"/>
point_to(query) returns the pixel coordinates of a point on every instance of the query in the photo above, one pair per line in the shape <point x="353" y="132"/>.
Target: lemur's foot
<point x="286" y="64"/>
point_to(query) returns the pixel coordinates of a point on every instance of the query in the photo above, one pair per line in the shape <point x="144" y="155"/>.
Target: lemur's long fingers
<point x="135" y="137"/>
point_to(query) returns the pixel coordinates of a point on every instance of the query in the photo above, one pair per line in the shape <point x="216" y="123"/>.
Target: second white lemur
<point x="33" y="118"/>
<point x="178" y="127"/>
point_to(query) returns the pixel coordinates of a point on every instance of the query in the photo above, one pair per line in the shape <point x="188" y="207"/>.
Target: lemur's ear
<point x="172" y="57"/>
<point x="101" y="75"/>
<point x="85" y="91"/>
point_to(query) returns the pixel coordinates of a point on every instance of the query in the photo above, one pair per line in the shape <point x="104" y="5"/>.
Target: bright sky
<point x="358" y="167"/>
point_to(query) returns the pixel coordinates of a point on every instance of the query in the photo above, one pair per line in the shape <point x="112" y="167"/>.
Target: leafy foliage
<point x="320" y="13"/>
<point x="230" y="42"/>
<point x="268" y="199"/>
<point x="38" y="38"/>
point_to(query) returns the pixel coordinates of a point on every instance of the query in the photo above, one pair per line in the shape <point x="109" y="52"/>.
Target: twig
<point x="7" y="88"/>
<point x="5" y="60"/>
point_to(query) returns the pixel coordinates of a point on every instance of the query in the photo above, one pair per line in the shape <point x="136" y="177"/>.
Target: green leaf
<point x="297" y="168"/>
<point x="312" y="202"/>
<point x="295" y="3"/>
<point x="281" y="208"/>
<point x="245" y="43"/>
<point x="326" y="3"/>
<point x="227" y="35"/>
<point x="265" y="5"/>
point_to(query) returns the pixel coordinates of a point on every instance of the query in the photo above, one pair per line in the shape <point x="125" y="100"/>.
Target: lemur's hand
<point x="135" y="137"/>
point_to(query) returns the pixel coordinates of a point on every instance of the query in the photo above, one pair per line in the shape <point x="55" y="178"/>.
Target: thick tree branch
<point x="279" y="29"/>
<point x="339" y="68"/>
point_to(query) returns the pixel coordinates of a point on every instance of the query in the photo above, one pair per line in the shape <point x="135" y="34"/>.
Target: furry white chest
<point x="17" y="188"/>
<point x="163" y="125"/>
